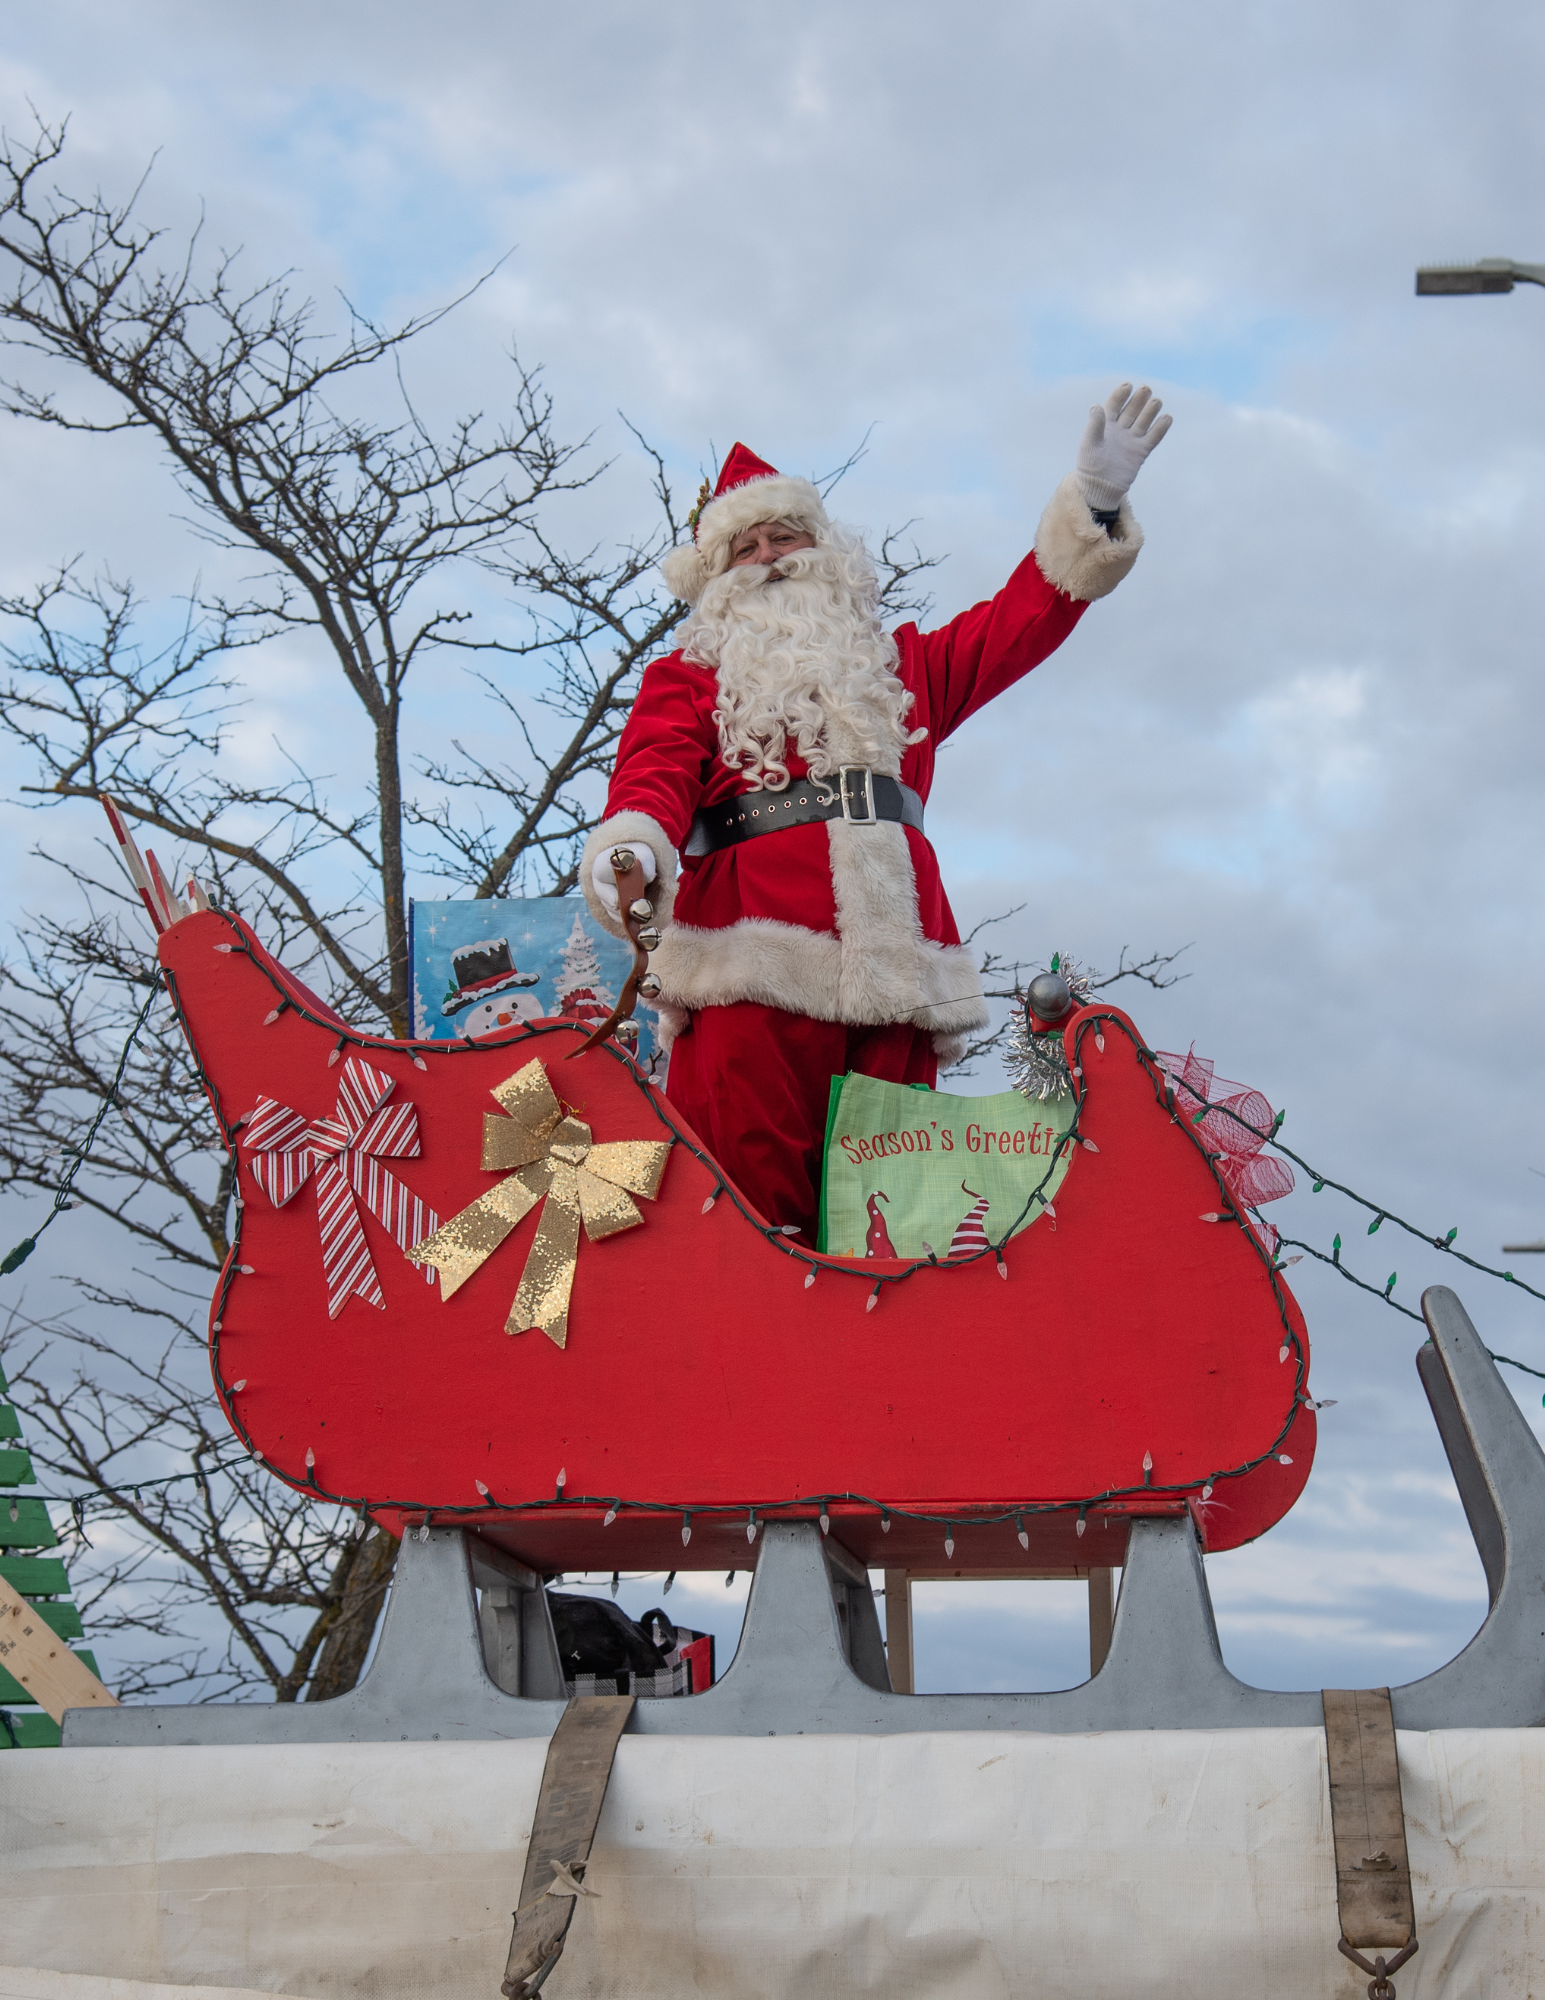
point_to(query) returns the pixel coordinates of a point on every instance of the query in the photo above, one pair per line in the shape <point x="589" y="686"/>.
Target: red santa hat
<point x="749" y="491"/>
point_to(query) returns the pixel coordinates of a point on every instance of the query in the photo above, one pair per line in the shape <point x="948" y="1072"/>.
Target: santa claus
<point x="784" y="753"/>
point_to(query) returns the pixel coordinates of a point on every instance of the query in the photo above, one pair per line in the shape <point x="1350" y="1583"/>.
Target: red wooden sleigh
<point x="1132" y="1358"/>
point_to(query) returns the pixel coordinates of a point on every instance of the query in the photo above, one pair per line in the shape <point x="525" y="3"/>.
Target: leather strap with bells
<point x="637" y="913"/>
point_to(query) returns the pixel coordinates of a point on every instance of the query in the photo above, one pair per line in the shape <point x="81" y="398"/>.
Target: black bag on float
<point x="596" y="1637"/>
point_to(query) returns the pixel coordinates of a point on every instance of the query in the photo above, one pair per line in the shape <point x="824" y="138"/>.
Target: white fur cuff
<point x="1076" y="554"/>
<point x="620" y="828"/>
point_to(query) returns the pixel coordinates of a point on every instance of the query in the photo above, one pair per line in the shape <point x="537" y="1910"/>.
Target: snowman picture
<point x="496" y="1017"/>
<point x="485" y="996"/>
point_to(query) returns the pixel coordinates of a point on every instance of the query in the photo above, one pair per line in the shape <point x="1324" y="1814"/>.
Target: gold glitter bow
<point x="581" y="1181"/>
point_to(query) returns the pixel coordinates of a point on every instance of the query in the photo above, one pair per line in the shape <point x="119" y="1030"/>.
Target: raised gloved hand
<point x="1116" y="440"/>
<point x="605" y="882"/>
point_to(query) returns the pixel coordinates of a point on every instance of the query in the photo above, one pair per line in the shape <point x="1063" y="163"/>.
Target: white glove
<point x="604" y="881"/>
<point x="1116" y="441"/>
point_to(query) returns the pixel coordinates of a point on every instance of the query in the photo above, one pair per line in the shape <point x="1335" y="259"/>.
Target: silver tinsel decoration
<point x="1036" y="1064"/>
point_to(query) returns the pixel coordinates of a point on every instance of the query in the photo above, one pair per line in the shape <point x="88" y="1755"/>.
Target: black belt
<point x="857" y="795"/>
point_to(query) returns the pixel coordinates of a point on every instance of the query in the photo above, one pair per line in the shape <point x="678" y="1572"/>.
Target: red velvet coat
<point x="814" y="918"/>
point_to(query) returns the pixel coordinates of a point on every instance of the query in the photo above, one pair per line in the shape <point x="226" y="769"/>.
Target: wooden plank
<point x="53" y="1676"/>
<point x="1373" y="1869"/>
<point x="28" y="1729"/>
<point x="1102" y="1616"/>
<point x="35" y="1576"/>
<point x="898" y="1629"/>
<point x="31" y="1529"/>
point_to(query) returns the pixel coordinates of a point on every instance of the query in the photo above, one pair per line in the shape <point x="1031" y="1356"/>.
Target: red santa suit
<point x="816" y="949"/>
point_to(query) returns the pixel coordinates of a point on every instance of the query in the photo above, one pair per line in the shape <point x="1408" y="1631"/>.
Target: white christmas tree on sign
<point x="582" y="994"/>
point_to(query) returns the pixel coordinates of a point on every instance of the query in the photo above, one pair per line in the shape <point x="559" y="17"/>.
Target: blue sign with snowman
<point x="481" y="967"/>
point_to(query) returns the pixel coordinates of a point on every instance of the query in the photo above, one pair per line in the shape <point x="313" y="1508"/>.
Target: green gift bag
<point x="909" y="1170"/>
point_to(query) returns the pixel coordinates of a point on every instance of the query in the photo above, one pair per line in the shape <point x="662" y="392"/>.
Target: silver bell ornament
<point x="1049" y="996"/>
<point x="649" y="938"/>
<point x="649" y="987"/>
<point x="622" y="859"/>
<point x="641" y="910"/>
<point x="627" y="1032"/>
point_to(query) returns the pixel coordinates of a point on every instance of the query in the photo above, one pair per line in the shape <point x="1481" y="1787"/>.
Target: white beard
<point x="801" y="655"/>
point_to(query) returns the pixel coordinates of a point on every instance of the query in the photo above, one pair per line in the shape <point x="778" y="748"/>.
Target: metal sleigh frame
<point x="811" y="1659"/>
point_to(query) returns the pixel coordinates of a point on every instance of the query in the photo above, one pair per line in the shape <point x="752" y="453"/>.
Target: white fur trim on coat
<point x="1075" y="553"/>
<point x="689" y="569"/>
<point x="877" y="968"/>
<point x="621" y="828"/>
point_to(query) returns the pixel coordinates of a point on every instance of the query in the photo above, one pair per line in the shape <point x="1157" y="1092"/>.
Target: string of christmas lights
<point x="487" y="1504"/>
<point x="1382" y="1293"/>
<point x="1380" y="1211"/>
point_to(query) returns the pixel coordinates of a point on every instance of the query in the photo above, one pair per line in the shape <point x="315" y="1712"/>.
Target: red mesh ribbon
<point x="344" y="1153"/>
<point x="1236" y="1125"/>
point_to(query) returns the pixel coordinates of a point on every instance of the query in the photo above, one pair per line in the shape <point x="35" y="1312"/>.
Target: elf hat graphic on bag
<point x="878" y="1241"/>
<point x="481" y="970"/>
<point x="971" y="1230"/>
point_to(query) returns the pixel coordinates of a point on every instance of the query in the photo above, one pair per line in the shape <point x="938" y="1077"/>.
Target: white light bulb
<point x="872" y="1301"/>
<point x="949" y="1543"/>
<point x="1207" y="1491"/>
<point x="609" y="1516"/>
<point x="481" y="1487"/>
<point x="237" y="1387"/>
<point x="311" y="1458"/>
<point x="686" y="1533"/>
<point x="1147" y="1461"/>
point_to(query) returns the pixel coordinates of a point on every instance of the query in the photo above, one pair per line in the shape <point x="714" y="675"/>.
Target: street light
<point x="1486" y="274"/>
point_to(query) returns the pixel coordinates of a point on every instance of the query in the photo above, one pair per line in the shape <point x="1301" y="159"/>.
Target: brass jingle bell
<point x="641" y="910"/>
<point x="649" y="986"/>
<point x="622" y="859"/>
<point x="649" y="938"/>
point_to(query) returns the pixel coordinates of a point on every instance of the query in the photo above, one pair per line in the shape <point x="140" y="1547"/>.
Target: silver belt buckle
<point x="869" y="818"/>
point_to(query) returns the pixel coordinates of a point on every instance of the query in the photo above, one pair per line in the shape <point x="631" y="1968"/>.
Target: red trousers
<point x="754" y="1082"/>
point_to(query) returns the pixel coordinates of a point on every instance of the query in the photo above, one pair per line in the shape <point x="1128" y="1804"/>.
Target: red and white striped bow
<point x="345" y="1153"/>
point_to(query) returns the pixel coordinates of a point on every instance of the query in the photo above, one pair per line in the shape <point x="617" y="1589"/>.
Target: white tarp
<point x="1184" y="1863"/>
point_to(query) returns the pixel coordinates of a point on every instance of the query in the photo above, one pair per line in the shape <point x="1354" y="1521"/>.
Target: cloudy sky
<point x="1303" y="738"/>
